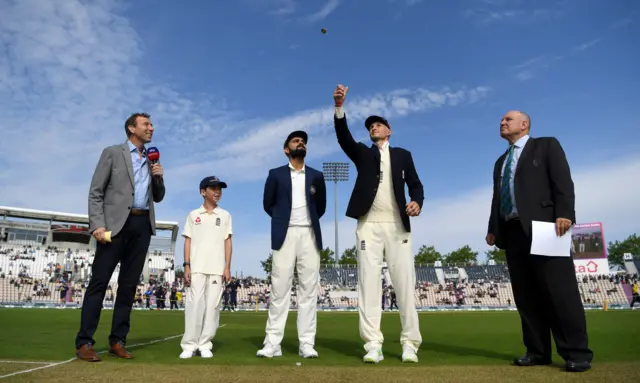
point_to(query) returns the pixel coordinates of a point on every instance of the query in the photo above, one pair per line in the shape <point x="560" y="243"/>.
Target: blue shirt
<point x="517" y="151"/>
<point x="140" y="178"/>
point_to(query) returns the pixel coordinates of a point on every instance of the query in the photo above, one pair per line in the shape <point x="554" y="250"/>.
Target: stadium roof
<point x="65" y="217"/>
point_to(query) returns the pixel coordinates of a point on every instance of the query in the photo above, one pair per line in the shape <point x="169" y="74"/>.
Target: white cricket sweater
<point x="384" y="207"/>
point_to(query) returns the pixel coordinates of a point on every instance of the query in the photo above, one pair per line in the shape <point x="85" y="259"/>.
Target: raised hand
<point x="340" y="94"/>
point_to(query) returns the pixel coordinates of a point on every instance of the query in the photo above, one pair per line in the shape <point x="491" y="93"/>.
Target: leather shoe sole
<point x="121" y="355"/>
<point x="528" y="362"/>
<point x="577" y="366"/>
<point x="89" y="359"/>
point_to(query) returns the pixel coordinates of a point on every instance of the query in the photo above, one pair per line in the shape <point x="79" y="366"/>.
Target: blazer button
<point x="129" y="207"/>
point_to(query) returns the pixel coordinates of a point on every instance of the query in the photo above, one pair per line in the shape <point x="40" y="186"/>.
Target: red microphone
<point x="153" y="155"/>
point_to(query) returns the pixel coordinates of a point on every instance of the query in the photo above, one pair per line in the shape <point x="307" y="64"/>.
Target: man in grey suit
<point x="121" y="218"/>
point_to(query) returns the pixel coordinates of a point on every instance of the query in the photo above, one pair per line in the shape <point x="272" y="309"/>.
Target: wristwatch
<point x="186" y="264"/>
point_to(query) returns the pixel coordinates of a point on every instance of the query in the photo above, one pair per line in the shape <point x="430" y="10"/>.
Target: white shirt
<point x="208" y="232"/>
<point x="299" y="209"/>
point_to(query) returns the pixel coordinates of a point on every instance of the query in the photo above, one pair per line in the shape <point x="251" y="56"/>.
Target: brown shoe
<point x="117" y="349"/>
<point x="87" y="353"/>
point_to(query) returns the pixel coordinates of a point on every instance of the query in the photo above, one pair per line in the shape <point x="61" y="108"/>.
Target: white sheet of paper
<point x="545" y="241"/>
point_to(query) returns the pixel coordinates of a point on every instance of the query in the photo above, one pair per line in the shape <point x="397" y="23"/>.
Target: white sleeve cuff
<point x="339" y="112"/>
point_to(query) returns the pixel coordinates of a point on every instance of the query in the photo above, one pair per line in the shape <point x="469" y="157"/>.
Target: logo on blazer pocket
<point x="312" y="190"/>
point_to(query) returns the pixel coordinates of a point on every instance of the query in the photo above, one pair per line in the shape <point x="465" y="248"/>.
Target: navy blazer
<point x="367" y="161"/>
<point x="277" y="202"/>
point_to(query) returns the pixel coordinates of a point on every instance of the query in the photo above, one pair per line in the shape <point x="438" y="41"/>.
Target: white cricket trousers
<point x="299" y="249"/>
<point x="372" y="239"/>
<point x="202" y="312"/>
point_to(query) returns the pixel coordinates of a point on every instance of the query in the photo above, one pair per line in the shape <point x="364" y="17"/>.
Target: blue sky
<point x="226" y="83"/>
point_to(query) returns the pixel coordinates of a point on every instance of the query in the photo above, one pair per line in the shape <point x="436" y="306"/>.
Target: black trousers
<point x="547" y="298"/>
<point x="129" y="248"/>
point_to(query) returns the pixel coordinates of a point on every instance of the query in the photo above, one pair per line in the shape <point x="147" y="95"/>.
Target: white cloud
<point x="496" y="12"/>
<point x="265" y="141"/>
<point x="524" y="75"/>
<point x="325" y="11"/>
<point x="604" y="193"/>
<point x="587" y="45"/>
<point x="534" y="66"/>
<point x="72" y="73"/>
<point x="282" y="7"/>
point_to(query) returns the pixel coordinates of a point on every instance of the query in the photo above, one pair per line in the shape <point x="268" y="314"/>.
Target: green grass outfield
<point x="457" y="346"/>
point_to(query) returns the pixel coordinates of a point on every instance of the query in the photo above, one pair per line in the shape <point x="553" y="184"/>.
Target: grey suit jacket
<point x="111" y="191"/>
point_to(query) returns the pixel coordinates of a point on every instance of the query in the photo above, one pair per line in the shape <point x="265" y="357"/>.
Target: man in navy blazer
<point x="295" y="197"/>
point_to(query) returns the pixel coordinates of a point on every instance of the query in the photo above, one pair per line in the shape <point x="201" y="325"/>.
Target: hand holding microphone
<point x="153" y="155"/>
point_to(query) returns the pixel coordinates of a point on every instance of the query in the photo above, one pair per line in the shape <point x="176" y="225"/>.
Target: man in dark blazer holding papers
<point x="532" y="182"/>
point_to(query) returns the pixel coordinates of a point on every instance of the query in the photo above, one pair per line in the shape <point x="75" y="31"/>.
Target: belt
<point x="139" y="212"/>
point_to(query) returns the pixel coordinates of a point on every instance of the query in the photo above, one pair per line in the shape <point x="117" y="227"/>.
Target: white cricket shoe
<point x="269" y="351"/>
<point x="307" y="351"/>
<point x="186" y="354"/>
<point x="206" y="354"/>
<point x="373" y="356"/>
<point x="409" y="355"/>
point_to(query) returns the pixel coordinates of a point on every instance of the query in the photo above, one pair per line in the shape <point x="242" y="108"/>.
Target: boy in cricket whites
<point x="207" y="266"/>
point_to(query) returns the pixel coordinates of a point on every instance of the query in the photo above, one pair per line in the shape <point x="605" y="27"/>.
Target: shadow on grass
<point x="345" y="347"/>
<point x="464" y="351"/>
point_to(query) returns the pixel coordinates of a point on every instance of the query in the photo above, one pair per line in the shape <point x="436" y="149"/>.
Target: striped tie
<point x="506" y="203"/>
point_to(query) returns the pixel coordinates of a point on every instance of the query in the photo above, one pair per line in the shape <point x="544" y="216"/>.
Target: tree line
<point x="465" y="255"/>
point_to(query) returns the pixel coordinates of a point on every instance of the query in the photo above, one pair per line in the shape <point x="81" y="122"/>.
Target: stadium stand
<point x="32" y="274"/>
<point x="47" y="264"/>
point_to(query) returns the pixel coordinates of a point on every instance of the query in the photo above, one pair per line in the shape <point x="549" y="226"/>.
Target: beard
<point x="298" y="153"/>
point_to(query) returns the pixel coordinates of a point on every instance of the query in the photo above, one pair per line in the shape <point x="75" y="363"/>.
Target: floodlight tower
<point x="336" y="172"/>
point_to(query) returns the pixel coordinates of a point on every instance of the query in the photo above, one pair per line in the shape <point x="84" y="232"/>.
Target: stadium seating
<point x="35" y="274"/>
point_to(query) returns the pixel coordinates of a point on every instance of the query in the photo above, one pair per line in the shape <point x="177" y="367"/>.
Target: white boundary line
<point x="75" y="358"/>
<point x="24" y="362"/>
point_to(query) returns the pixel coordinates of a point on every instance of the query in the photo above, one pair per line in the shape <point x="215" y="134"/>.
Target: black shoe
<point x="527" y="361"/>
<point x="572" y="366"/>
